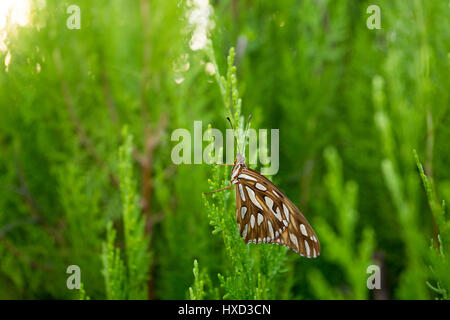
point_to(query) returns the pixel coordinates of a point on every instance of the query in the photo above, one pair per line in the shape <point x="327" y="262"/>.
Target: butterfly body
<point x="265" y="214"/>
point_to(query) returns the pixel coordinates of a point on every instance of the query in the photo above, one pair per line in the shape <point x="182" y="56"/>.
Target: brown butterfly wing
<point x="257" y="223"/>
<point x="269" y="216"/>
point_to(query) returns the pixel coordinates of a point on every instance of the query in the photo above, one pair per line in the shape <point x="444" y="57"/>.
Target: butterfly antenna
<point x="246" y="134"/>
<point x="234" y="134"/>
<point x="229" y="120"/>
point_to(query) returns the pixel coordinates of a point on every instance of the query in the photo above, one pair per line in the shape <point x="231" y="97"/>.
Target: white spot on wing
<point x="251" y="193"/>
<point x="303" y="229"/>
<point x="243" y="212"/>
<point x="252" y="221"/>
<point x="246" y="176"/>
<point x="270" y="229"/>
<point x="286" y="211"/>
<point x="260" y="186"/>
<point x="308" y="251"/>
<point x="235" y="172"/>
<point x="294" y="239"/>
<point x="260" y="218"/>
<point x="269" y="203"/>
<point x="241" y="191"/>
<point x="244" y="233"/>
<point x="278" y="214"/>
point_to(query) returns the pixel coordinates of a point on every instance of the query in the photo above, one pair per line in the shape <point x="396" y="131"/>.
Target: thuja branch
<point x="432" y="202"/>
<point x="228" y="86"/>
<point x="79" y="130"/>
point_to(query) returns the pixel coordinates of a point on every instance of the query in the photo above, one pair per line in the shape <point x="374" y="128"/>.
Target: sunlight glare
<point x="12" y="12"/>
<point x="200" y="21"/>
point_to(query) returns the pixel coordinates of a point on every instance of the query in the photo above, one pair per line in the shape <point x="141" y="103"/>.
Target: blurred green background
<point x="86" y="176"/>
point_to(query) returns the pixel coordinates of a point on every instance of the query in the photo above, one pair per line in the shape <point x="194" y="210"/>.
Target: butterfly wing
<point x="265" y="214"/>
<point x="254" y="213"/>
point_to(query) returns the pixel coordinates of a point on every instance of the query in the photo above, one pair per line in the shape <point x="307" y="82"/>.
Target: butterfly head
<point x="240" y="160"/>
<point x="239" y="164"/>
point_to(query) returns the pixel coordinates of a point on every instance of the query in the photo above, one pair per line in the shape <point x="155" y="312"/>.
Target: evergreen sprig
<point x="126" y="274"/>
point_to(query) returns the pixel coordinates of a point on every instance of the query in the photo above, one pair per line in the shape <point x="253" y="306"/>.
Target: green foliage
<point x="252" y="271"/>
<point x="83" y="295"/>
<point x="203" y="287"/>
<point x="136" y="242"/>
<point x="114" y="270"/>
<point x="124" y="276"/>
<point x="351" y="105"/>
<point x="349" y="251"/>
<point x="439" y="260"/>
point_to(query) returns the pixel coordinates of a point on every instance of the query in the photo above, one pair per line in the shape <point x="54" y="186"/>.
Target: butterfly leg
<point x="221" y="189"/>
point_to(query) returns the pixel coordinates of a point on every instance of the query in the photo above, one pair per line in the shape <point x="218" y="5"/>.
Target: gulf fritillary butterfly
<point x="265" y="214"/>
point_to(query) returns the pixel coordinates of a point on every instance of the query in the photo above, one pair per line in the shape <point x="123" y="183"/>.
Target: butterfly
<point x="265" y="214"/>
